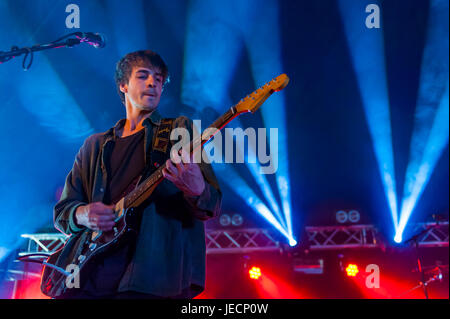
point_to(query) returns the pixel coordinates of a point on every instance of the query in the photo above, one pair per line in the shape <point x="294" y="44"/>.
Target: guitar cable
<point x="29" y="258"/>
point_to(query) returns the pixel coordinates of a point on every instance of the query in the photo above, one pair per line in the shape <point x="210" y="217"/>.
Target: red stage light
<point x="255" y="273"/>
<point x="352" y="270"/>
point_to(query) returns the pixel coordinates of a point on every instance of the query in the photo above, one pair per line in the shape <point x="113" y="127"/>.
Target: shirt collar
<point x="154" y="118"/>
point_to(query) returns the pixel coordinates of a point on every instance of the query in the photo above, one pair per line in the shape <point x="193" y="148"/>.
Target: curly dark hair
<point x="142" y="58"/>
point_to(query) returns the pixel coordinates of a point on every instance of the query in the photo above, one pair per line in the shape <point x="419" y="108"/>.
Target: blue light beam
<point x="417" y="177"/>
<point x="430" y="135"/>
<point x="225" y="173"/>
<point x="262" y="36"/>
<point x="248" y="196"/>
<point x="367" y="52"/>
<point x="212" y="48"/>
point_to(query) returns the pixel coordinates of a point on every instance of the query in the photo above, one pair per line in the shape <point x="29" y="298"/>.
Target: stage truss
<point x="341" y="237"/>
<point x="245" y="240"/>
<point x="435" y="235"/>
<point x="43" y="243"/>
<point x="240" y="241"/>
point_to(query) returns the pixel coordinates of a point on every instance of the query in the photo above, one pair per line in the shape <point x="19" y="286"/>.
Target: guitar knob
<point x="81" y="258"/>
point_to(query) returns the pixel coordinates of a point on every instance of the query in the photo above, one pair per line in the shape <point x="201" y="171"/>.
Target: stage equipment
<point x="341" y="216"/>
<point x="415" y="240"/>
<point x="433" y="235"/>
<point x="332" y="237"/>
<point x="95" y="39"/>
<point x="354" y="216"/>
<point x="225" y="220"/>
<point x="240" y="241"/>
<point x="352" y="270"/>
<point x="258" y="239"/>
<point x="308" y="266"/>
<point x="255" y="273"/>
<point x="237" y="220"/>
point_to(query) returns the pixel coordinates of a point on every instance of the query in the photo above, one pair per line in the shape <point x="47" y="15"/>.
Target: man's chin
<point x="143" y="107"/>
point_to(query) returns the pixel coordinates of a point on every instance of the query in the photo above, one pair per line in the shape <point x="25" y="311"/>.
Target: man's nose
<point x="151" y="81"/>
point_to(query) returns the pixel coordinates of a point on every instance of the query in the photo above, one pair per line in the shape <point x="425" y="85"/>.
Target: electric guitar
<point x="82" y="248"/>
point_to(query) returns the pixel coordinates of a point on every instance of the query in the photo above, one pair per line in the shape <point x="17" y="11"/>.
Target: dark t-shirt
<point x="124" y="168"/>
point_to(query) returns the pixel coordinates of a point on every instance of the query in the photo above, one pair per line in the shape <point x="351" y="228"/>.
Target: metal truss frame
<point x="436" y="235"/>
<point x="245" y="240"/>
<point x="241" y="240"/>
<point x="43" y="243"/>
<point x="337" y="237"/>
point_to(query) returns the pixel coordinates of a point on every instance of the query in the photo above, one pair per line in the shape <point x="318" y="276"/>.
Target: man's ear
<point x="123" y="88"/>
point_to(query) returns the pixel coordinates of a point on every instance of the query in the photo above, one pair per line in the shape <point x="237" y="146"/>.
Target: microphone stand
<point x="415" y="239"/>
<point x="16" y="51"/>
<point x="437" y="276"/>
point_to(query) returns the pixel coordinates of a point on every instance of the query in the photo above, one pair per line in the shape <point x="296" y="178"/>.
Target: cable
<point x="66" y="36"/>
<point x="61" y="270"/>
<point x="34" y="255"/>
<point x="29" y="52"/>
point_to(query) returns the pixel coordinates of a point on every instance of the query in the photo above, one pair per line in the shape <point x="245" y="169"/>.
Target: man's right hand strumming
<point x="96" y="216"/>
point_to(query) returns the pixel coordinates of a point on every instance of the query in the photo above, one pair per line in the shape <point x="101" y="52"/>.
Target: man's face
<point x="144" y="88"/>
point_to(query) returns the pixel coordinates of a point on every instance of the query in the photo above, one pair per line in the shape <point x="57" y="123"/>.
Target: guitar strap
<point x="160" y="148"/>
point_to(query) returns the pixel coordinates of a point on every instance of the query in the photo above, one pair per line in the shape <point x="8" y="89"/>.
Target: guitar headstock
<point x="253" y="101"/>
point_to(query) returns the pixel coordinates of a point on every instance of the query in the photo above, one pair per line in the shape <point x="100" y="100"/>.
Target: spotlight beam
<point x="431" y="126"/>
<point x="212" y="47"/>
<point x="367" y="51"/>
<point x="264" y="49"/>
<point x="418" y="176"/>
<point x="241" y="189"/>
<point x="254" y="168"/>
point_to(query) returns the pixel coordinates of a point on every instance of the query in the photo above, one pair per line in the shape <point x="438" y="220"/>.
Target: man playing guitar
<point x="167" y="259"/>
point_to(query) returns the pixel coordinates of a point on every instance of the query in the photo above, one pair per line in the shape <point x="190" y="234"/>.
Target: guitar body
<point x="82" y="250"/>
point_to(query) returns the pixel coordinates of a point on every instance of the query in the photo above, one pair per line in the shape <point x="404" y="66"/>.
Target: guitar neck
<point x="248" y="104"/>
<point x="144" y="190"/>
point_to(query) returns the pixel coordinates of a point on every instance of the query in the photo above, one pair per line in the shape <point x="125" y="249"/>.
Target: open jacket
<point x="170" y="250"/>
